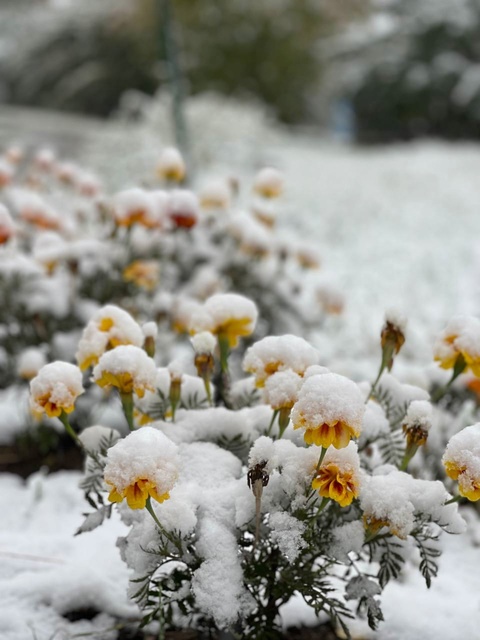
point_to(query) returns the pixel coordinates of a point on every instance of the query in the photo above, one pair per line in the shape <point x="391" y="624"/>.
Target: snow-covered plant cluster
<point x="68" y="248"/>
<point x="243" y="492"/>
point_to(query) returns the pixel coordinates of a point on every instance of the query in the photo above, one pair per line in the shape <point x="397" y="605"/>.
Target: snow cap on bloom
<point x="110" y="327"/>
<point x="330" y="408"/>
<point x="253" y="239"/>
<point x="170" y="165"/>
<point x="150" y="330"/>
<point x="143" y="273"/>
<point x="44" y="159"/>
<point x="462" y="461"/>
<point x="142" y="465"/>
<point x="128" y="368"/>
<point x="49" y="248"/>
<point x="182" y="208"/>
<point x="459" y="339"/>
<point x="33" y="209"/>
<point x="307" y="256"/>
<point x="393" y="335"/>
<point x="281" y="389"/>
<point x="417" y="422"/>
<point x="279" y="353"/>
<point x="30" y="362"/>
<point x="230" y="316"/>
<point x="7" y="226"/>
<point x="55" y="389"/>
<point x="269" y="183"/>
<point x="203" y="342"/>
<point x="215" y="195"/>
<point x="338" y="477"/>
<point x="134" y="206"/>
<point x="330" y="299"/>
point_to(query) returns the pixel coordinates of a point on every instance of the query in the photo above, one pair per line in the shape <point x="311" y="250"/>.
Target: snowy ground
<point x="397" y="227"/>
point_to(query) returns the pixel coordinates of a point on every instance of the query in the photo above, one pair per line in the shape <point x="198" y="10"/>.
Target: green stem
<point x="127" y="406"/>
<point x="454" y="499"/>
<point x="224" y="348"/>
<point x="283" y="420"/>
<point x="459" y="367"/>
<point x="272" y="421"/>
<point x="321" y="507"/>
<point x="208" y="390"/>
<point x="63" y="417"/>
<point x="320" y="460"/>
<point x="149" y="508"/>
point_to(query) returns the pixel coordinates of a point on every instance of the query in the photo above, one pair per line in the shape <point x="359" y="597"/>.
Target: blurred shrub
<point x="433" y="89"/>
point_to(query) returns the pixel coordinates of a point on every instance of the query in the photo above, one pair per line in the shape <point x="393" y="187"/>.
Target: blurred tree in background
<point x="83" y="58"/>
<point x="430" y="85"/>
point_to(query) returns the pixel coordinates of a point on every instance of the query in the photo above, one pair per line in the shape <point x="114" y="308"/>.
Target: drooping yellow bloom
<point x="143" y="273"/>
<point x="227" y="315"/>
<point x="338" y="477"/>
<point x="55" y="389"/>
<point x="137" y="494"/>
<point x="459" y="345"/>
<point x="462" y="461"/>
<point x="128" y="368"/>
<point x="336" y="484"/>
<point x="330" y="408"/>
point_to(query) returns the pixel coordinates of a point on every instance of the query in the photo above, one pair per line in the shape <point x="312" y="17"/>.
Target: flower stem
<point x="459" y="367"/>
<point x="272" y="422"/>
<point x="454" y="499"/>
<point x="63" y="417"/>
<point x="283" y="420"/>
<point x="224" y="348"/>
<point x="127" y="406"/>
<point x="320" y="460"/>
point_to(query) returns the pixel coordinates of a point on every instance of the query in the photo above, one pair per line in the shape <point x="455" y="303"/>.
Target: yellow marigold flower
<point x="338" y="477"/>
<point x="269" y="183"/>
<point x="330" y="408"/>
<point x="109" y="328"/>
<point x="55" y="389"/>
<point x="128" y="368"/>
<point x="143" y="273"/>
<point x="279" y="353"/>
<point x="462" y="461"/>
<point x="171" y="166"/>
<point x="229" y="316"/>
<point x="459" y="340"/>
<point x="143" y="465"/>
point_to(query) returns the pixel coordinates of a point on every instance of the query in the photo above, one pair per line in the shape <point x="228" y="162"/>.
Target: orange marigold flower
<point x="462" y="461"/>
<point x="55" y="389"/>
<point x="338" y="477"/>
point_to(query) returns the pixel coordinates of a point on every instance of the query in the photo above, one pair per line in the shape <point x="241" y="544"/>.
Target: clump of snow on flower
<point x="144" y="454"/>
<point x="419" y="414"/>
<point x="263" y="451"/>
<point x="215" y="194"/>
<point x="228" y="308"/>
<point x="395" y="498"/>
<point x="129" y="360"/>
<point x="462" y="458"/>
<point x="59" y="382"/>
<point x="397" y="318"/>
<point x="281" y="389"/>
<point x="279" y="353"/>
<point x="286" y="532"/>
<point x="327" y="399"/>
<point x="461" y="335"/>
<point x="150" y="330"/>
<point x="204" y="342"/>
<point x="171" y="165"/>
<point x="131" y="205"/>
<point x="109" y="327"/>
<point x="253" y="238"/>
<point x="268" y="182"/>
<point x="346" y="459"/>
<point x="7" y="226"/>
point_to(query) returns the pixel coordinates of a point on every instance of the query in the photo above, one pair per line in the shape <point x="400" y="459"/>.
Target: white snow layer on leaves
<point x="144" y="454"/>
<point x="94" y="438"/>
<point x="327" y="399"/>
<point x="398" y="393"/>
<point x="374" y="423"/>
<point x="395" y="497"/>
<point x="345" y="538"/>
<point x="279" y="353"/>
<point x="286" y="532"/>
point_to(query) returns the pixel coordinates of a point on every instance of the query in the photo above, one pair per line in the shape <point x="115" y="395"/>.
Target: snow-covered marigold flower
<point x="134" y="206"/>
<point x="30" y="362"/>
<point x="338" y="477"/>
<point x="109" y="328"/>
<point x="281" y="389"/>
<point x="171" y="166"/>
<point x="128" y="368"/>
<point x="330" y="408"/>
<point x="55" y="389"/>
<point x="143" y="465"/>
<point x="143" y="273"/>
<point x="215" y="195"/>
<point x="392" y="336"/>
<point x="269" y="183"/>
<point x="182" y="208"/>
<point x="230" y="316"/>
<point x="279" y="353"/>
<point x="417" y="423"/>
<point x="458" y="345"/>
<point x="462" y="461"/>
<point x="307" y="256"/>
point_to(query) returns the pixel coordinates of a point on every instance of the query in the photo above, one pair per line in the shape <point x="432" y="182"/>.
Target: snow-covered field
<point x="397" y="227"/>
